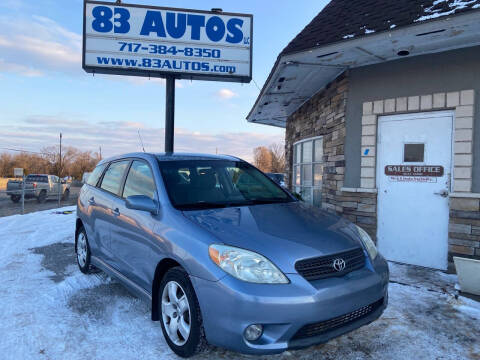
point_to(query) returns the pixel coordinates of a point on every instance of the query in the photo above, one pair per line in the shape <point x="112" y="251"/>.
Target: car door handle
<point x="116" y="212"/>
<point x="91" y="201"/>
<point x="443" y="193"/>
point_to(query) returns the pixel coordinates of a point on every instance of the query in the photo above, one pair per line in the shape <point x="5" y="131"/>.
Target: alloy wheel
<point x="176" y="313"/>
<point x="82" y="249"/>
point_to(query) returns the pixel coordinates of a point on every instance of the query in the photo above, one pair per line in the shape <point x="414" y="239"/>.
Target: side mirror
<point x="143" y="203"/>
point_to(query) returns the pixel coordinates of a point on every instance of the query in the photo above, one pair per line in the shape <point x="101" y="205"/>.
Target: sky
<point x="44" y="90"/>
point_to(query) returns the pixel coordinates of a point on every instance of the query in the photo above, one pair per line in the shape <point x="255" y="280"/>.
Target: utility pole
<point x="100" y="152"/>
<point x="59" y="185"/>
<point x="169" y="113"/>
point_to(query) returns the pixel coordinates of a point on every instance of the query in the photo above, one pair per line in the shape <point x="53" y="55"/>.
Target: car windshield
<point x="204" y="184"/>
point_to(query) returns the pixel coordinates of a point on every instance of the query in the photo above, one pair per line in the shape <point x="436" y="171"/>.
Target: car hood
<point x="284" y="233"/>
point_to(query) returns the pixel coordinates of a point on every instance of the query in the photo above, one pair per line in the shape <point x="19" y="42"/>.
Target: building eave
<point x="296" y="77"/>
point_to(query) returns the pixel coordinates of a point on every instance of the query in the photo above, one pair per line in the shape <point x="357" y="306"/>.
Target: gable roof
<point x="353" y="33"/>
<point x="347" y="19"/>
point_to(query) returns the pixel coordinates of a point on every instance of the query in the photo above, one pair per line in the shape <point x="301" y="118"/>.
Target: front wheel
<point x="181" y="318"/>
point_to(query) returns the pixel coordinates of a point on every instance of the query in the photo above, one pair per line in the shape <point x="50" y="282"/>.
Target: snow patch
<point x="432" y="13"/>
<point x="93" y="317"/>
<point x="349" y="36"/>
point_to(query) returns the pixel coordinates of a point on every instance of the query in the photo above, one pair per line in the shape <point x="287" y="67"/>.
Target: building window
<point x="308" y="170"/>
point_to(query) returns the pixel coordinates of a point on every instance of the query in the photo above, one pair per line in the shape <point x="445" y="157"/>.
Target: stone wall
<point x="360" y="208"/>
<point x="324" y="115"/>
<point x="464" y="228"/>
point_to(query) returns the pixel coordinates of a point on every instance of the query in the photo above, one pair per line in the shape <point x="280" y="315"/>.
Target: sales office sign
<point x="126" y="39"/>
<point x="414" y="173"/>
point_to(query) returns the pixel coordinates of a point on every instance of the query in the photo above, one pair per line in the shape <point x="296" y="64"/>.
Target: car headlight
<point x="246" y="265"/>
<point x="368" y="243"/>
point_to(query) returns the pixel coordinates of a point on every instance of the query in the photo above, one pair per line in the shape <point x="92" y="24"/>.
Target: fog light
<point x="253" y="332"/>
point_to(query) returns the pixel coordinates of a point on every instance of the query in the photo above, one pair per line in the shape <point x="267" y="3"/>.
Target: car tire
<point x="82" y="250"/>
<point x="15" y="198"/>
<point x="42" y="197"/>
<point x="178" y="303"/>
<point x="66" y="195"/>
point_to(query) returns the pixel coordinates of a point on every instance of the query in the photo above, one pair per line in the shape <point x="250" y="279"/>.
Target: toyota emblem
<point x="339" y="264"/>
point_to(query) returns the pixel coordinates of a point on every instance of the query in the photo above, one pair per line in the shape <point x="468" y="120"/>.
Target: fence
<point x="27" y="200"/>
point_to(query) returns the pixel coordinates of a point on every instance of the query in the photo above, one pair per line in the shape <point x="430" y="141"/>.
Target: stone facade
<point x="324" y="115"/>
<point x="464" y="227"/>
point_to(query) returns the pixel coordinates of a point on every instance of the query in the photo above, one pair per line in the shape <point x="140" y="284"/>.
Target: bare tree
<point x="278" y="157"/>
<point x="74" y="162"/>
<point x="271" y="159"/>
<point x="262" y="158"/>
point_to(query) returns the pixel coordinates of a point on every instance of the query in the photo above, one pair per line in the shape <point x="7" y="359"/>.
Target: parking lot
<point x="7" y="207"/>
<point x="52" y="311"/>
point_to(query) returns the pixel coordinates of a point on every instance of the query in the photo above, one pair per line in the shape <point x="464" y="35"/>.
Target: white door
<point x="414" y="156"/>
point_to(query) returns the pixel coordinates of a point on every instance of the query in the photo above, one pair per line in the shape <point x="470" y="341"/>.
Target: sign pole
<point x="169" y="113"/>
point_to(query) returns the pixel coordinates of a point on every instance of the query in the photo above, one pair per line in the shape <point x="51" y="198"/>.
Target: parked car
<point x="225" y="256"/>
<point x="39" y="186"/>
<point x="279" y="178"/>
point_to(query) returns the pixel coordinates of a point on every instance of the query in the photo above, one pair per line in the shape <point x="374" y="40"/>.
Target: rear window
<point x="112" y="180"/>
<point x="92" y="179"/>
<point x="37" y="178"/>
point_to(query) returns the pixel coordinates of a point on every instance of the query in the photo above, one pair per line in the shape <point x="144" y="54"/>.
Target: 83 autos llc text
<point x="195" y="44"/>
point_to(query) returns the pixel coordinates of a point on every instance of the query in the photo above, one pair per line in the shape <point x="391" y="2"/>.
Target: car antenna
<point x="141" y="141"/>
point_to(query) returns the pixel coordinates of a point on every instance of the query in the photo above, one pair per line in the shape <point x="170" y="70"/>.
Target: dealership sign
<point x="139" y="40"/>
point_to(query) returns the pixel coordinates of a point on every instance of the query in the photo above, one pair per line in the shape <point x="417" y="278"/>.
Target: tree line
<point x="73" y="162"/>
<point x="270" y="159"/>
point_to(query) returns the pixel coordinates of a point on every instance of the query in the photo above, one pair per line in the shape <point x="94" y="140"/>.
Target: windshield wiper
<point x="201" y="205"/>
<point x="269" y="201"/>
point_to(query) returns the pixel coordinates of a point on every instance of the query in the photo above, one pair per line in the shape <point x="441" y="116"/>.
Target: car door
<point x="92" y="213"/>
<point x="132" y="237"/>
<point x="102" y="199"/>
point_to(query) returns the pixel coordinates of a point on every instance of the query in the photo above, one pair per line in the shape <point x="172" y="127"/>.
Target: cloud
<point x="225" y="94"/>
<point x="118" y="137"/>
<point x="38" y="44"/>
<point x="19" y="69"/>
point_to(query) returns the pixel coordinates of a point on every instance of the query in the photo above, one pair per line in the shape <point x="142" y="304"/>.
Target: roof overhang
<point x="296" y="77"/>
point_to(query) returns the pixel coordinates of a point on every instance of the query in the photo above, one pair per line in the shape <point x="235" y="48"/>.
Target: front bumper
<point x="228" y="306"/>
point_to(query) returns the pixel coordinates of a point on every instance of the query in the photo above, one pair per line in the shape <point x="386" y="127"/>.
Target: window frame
<point x="122" y="182"/>
<point x="312" y="163"/>
<point x="155" y="193"/>
<point x="105" y="167"/>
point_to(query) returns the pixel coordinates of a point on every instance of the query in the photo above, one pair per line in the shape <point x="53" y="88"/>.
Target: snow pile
<point x="50" y="310"/>
<point x="434" y="11"/>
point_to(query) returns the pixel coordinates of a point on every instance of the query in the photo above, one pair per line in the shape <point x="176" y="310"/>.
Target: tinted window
<point x="139" y="181"/>
<point x="37" y="178"/>
<point x="112" y="179"/>
<point x="95" y="175"/>
<point x="216" y="183"/>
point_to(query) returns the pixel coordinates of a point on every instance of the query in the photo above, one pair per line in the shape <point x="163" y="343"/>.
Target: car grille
<point x="322" y="267"/>
<point x="324" y="326"/>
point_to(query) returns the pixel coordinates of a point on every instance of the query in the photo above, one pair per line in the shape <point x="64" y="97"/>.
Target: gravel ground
<point x="8" y="208"/>
<point x="52" y="311"/>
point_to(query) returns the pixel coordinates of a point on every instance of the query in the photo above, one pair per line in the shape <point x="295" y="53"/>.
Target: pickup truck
<point x="39" y="186"/>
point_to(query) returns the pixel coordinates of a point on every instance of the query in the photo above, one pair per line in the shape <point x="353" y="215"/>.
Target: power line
<point x="20" y="150"/>
<point x="258" y="87"/>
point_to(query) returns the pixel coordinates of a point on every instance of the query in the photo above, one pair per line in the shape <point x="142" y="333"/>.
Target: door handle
<point x="443" y="193"/>
<point x="116" y="212"/>
<point x="91" y="201"/>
